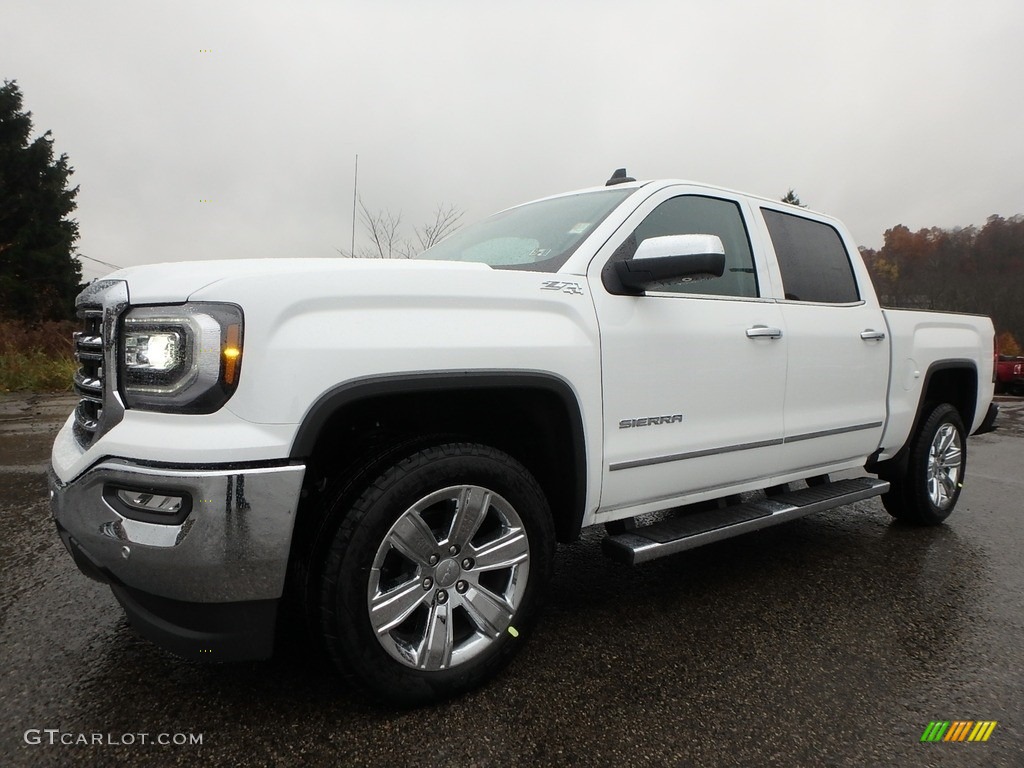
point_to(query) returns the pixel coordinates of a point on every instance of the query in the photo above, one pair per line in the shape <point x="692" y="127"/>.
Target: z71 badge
<point x="563" y="286"/>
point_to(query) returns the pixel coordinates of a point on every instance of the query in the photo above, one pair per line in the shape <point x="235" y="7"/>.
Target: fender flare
<point x="349" y="393"/>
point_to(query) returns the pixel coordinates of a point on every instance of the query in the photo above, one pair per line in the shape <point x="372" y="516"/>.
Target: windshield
<point x="538" y="236"/>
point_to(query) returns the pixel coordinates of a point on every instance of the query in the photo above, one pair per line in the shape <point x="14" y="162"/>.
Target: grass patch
<point x="36" y="372"/>
<point x="37" y="358"/>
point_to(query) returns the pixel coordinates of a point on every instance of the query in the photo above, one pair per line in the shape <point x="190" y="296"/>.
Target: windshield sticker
<point x="579" y="229"/>
<point x="538" y="254"/>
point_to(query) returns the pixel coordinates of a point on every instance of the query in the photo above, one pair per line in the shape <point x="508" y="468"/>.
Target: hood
<point x="175" y="282"/>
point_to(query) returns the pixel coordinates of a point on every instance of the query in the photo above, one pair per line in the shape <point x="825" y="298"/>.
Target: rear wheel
<point x="434" y="574"/>
<point x="929" y="489"/>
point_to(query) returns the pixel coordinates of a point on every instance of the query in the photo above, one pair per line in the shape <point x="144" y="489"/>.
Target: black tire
<point x="936" y="467"/>
<point x="314" y="534"/>
<point x="458" y="623"/>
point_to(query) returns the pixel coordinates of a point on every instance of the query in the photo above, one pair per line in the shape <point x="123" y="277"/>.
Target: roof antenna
<point x="619" y="177"/>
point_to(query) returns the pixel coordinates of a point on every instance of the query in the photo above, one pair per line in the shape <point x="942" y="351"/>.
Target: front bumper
<point x="207" y="588"/>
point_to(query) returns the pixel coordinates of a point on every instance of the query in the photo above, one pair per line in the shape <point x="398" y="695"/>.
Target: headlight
<point x="182" y="358"/>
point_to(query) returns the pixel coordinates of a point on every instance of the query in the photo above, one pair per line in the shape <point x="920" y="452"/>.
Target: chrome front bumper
<point x="202" y="586"/>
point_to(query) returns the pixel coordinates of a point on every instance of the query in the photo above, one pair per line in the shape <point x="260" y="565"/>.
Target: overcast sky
<point x="881" y="113"/>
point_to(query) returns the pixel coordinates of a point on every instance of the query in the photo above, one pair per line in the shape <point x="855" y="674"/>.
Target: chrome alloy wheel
<point x="448" y="577"/>
<point x="945" y="462"/>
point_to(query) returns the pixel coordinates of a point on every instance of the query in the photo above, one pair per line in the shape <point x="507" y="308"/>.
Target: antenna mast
<point x="355" y="192"/>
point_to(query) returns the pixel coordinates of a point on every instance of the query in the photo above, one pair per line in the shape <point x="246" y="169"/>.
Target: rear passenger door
<point x="838" y="368"/>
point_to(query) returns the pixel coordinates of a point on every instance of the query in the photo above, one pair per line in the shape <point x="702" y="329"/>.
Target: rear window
<point x="812" y="258"/>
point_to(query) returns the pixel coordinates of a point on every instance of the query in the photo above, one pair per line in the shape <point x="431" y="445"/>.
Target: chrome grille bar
<point x="86" y="385"/>
<point x="88" y="380"/>
<point x="99" y="406"/>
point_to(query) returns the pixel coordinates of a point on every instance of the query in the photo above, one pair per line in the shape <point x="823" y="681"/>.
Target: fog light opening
<point x="151" y="502"/>
<point x="149" y="505"/>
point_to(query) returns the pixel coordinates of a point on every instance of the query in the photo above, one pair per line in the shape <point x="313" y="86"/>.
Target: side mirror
<point x="661" y="260"/>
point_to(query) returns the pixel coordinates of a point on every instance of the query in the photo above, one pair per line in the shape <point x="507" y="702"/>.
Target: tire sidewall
<point x="349" y="635"/>
<point x="939" y="416"/>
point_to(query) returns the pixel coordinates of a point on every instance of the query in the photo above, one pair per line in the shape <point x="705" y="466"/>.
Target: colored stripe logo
<point x="959" y="730"/>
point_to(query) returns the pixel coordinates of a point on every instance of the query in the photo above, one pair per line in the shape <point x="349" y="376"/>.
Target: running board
<point x="677" y="534"/>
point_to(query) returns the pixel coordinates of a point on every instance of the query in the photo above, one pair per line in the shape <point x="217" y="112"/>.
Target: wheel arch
<point x="946" y="381"/>
<point x="534" y="417"/>
<point x="954" y="382"/>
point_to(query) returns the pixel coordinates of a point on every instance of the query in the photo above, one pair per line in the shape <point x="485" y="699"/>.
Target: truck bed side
<point x="923" y="343"/>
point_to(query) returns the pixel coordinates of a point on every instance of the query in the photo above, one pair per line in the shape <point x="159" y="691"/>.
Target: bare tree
<point x="386" y="240"/>
<point x="446" y="220"/>
<point x="383" y="229"/>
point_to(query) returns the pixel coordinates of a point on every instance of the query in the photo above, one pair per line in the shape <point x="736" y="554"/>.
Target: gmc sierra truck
<point x="392" y="449"/>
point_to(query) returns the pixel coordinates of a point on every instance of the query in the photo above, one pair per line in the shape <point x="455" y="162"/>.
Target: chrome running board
<point x="686" y="531"/>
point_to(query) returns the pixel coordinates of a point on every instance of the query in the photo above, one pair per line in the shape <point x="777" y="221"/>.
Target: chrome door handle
<point x="764" y="332"/>
<point x="872" y="335"/>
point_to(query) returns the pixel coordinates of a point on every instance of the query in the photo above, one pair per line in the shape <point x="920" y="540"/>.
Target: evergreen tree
<point x="39" y="277"/>
<point x="793" y="199"/>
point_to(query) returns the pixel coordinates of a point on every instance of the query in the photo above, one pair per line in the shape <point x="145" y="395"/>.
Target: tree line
<point x="965" y="269"/>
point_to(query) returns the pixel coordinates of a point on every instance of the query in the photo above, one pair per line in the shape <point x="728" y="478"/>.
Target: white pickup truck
<point x="396" y="446"/>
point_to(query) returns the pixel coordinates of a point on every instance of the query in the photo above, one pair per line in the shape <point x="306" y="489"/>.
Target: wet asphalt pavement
<point x="831" y="640"/>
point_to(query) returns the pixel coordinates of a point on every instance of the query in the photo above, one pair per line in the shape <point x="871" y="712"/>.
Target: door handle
<point x="872" y="335"/>
<point x="764" y="332"/>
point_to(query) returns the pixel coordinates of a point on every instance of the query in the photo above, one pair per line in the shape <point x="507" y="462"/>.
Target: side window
<point x="696" y="215"/>
<point x="814" y="263"/>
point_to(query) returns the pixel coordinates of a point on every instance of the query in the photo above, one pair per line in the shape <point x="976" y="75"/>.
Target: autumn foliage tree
<point x="39" y="277"/>
<point x="1008" y="344"/>
<point x="965" y="269"/>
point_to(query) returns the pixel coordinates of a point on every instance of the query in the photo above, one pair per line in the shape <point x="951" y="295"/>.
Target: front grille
<point x="89" y="377"/>
<point x="99" y="407"/>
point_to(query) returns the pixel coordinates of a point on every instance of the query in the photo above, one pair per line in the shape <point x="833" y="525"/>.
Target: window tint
<point x="696" y="215"/>
<point x="814" y="263"/>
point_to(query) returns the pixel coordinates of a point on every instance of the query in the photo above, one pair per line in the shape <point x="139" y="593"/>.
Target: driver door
<point x="694" y="374"/>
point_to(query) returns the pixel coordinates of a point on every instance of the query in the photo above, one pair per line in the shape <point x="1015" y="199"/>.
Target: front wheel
<point x="433" y="575"/>
<point x="929" y="489"/>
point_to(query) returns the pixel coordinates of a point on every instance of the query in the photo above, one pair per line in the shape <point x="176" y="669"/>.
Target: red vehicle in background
<point x="1010" y="375"/>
